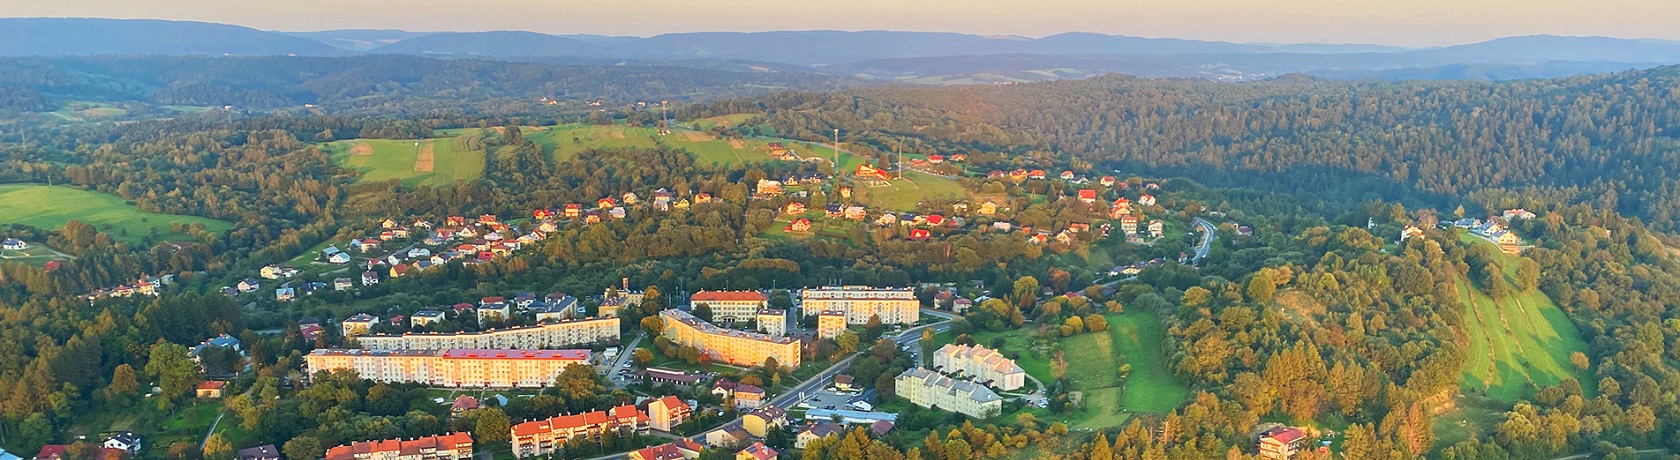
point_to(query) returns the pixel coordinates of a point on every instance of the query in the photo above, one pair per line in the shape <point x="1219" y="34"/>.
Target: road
<point x="624" y="355"/>
<point x="1207" y="241"/>
<point x="1581" y="456"/>
<point x="212" y="431"/>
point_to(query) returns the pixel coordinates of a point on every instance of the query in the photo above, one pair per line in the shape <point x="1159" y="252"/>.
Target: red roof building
<point x="544" y="437"/>
<point x="1281" y="442"/>
<point x="919" y="234"/>
<point x="450" y="446"/>
<point x="1088" y="195"/>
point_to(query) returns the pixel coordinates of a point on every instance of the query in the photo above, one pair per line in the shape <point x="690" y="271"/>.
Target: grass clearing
<point x="36" y="255"/>
<point x="50" y="207"/>
<point x="1520" y="343"/>
<point x="1151" y="387"/>
<point x="723" y="120"/>
<point x="905" y="194"/>
<point x="431" y="162"/>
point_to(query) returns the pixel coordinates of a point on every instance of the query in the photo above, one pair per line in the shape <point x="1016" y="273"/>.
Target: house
<point x="728" y="437"/>
<point x="1065" y="237"/>
<point x="919" y="234"/>
<point x="856" y="212"/>
<point x="1507" y="238"/>
<point x="343" y="284"/>
<point x="605" y="203"/>
<point x="573" y="210"/>
<point x="959" y="157"/>
<point x="360" y="323"/>
<point x="270" y="272"/>
<point x="668" y="412"/>
<point x="1119" y="207"/>
<point x="1107" y="181"/>
<point x="760" y="422"/>
<point x="748" y="396"/>
<point x="936" y="159"/>
<point x="1156" y="229"/>
<point x="488" y="219"/>
<point x="1129" y="224"/>
<point x="1018" y="175"/>
<point x="285" y="293"/>
<point x="1066" y="175"/>
<point x="666" y="451"/>
<point x="630" y="198"/>
<point x="1146" y="200"/>
<point x="1281" y="442"/>
<point x="1089" y="196"/>
<point x="869" y="171"/>
<point x="843" y="382"/>
<point x="1036" y="174"/>
<point x="794" y="208"/>
<point x="494" y="312"/>
<point x="263" y="452"/>
<point x="703" y="197"/>
<point x="454" y="221"/>
<point x="1410" y="232"/>
<point x="934" y="220"/>
<point x="419" y="253"/>
<point x="126" y="441"/>
<point x="767" y="187"/>
<point x="800" y="225"/>
<point x="424" y="318"/>
<point x="210" y="389"/>
<point x="1038" y="238"/>
<point x="881" y="427"/>
<point x="616" y="213"/>
<point x="816" y="431"/>
<point x="756" y="451"/>
<point x="397" y="271"/>
<point x="14" y="244"/>
<point x="249" y="285"/>
<point x="886" y="219"/>
<point x="1516" y="214"/>
<point x="51" y="452"/>
<point x="462" y="404"/>
<point x="368" y="245"/>
<point x="370" y="278"/>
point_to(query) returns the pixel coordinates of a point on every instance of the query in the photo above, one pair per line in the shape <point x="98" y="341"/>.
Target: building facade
<point x="772" y="322"/>
<point x="458" y="446"/>
<point x="984" y="364"/>
<point x="552" y="335"/>
<point x="454" y="368"/>
<point x="930" y="389"/>
<point x="831" y="324"/>
<point x="893" y="306"/>
<point x="730" y="346"/>
<point x="547" y="437"/>
<point x="668" y="412"/>
<point x="730" y="306"/>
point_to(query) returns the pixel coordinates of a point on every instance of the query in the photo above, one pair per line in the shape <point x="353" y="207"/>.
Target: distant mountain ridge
<point x="916" y="57"/>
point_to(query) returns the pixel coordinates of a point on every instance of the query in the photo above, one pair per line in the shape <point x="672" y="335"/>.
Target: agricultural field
<point x="1520" y="343"/>
<point x="50" y="207"/>
<point x="904" y="194"/>
<point x="723" y="120"/>
<point x="36" y="255"/>
<point x="431" y="162"/>
<point x="566" y="141"/>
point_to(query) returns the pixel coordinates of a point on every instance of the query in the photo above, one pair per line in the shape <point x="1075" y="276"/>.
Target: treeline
<point x="1605" y="139"/>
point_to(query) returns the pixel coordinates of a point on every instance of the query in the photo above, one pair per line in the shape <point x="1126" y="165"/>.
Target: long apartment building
<point x="740" y="348"/>
<point x="553" y="335"/>
<point x="933" y="390"/>
<point x="892" y="305"/>
<point x="454" y="368"/>
<point x="730" y="306"/>
<point x="547" y="437"/>
<point x="984" y="364"/>
<point x="457" y="446"/>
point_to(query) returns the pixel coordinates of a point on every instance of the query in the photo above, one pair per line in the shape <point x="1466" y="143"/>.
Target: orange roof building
<point x="544" y="437"/>
<point x="731" y="306"/>
<point x="458" y="446"/>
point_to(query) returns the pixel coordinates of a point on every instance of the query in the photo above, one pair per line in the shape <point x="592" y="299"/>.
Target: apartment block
<point x="772" y="322"/>
<point x="730" y="306"/>
<point x="547" y="437"/>
<point x="892" y="305"/>
<point x="455" y="368"/>
<point x="984" y="364"/>
<point x="730" y="346"/>
<point x="552" y="335"/>
<point x="458" y="446"/>
<point x="933" y="390"/>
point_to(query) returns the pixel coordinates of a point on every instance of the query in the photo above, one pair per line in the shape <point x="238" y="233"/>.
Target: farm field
<point x="36" y="255"/>
<point x="566" y="141"/>
<point x="1518" y="344"/>
<point x="432" y="162"/>
<point x="903" y="195"/>
<point x="50" y="207"/>
<point x="723" y="120"/>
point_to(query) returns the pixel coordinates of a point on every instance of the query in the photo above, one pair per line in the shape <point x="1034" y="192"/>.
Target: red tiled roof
<point x="1284" y="435"/>
<point x="725" y="296"/>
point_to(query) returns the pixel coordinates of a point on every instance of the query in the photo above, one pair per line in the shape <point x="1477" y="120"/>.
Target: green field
<point x="49" y="207"/>
<point x="724" y="120"/>
<point x="1518" y="344"/>
<point x="386" y="159"/>
<point x="904" y="194"/>
<point x="37" y="255"/>
<point x="566" y="141"/>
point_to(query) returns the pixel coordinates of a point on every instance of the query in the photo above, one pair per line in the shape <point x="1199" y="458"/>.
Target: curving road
<point x="1207" y="241"/>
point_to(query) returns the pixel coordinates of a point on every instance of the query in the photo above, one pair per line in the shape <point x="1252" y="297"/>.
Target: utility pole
<point x="837" y="151"/>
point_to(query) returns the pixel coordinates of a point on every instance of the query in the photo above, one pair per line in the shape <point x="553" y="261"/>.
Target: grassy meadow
<point x="1520" y="343"/>
<point x="50" y="207"/>
<point x="432" y="162"/>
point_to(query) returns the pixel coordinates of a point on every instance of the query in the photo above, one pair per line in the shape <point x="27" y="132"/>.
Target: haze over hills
<point x="917" y="57"/>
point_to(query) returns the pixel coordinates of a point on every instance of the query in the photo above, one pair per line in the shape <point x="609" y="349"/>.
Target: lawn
<point x="1151" y="387"/>
<point x="566" y="141"/>
<point x="1519" y="344"/>
<point x="724" y="120"/>
<point x="50" y="207"/>
<point x="904" y="194"/>
<point x="431" y="162"/>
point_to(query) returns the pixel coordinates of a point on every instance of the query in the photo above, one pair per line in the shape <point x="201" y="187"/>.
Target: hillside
<point x="499" y="44"/>
<point x="85" y="36"/>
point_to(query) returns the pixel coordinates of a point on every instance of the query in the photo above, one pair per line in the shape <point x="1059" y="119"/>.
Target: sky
<point x="1387" y="22"/>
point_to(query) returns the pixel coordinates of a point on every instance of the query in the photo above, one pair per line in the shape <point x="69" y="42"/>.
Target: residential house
<point x="668" y="412"/>
<point x="285" y="293"/>
<point x="462" y="404"/>
<point x="959" y="157"/>
<point x="1146" y="200"/>
<point x="1516" y="214"/>
<point x="370" y="278"/>
<point x="545" y="437"/>
<point x="457" y="446"/>
<point x="929" y="389"/>
<point x="1129" y="224"/>
<point x="1088" y="196"/>
<point x="666" y="451"/>
<point x="756" y="451"/>
<point x="1107" y="181"/>
<point x="886" y="219"/>
<point x="1120" y="207"/>
<point x="767" y="187"/>
<point x="360" y="323"/>
<point x="1066" y="175"/>
<point x="249" y="285"/>
<point x="605" y="203"/>
<point x="494" y="311"/>
<point x="1156" y="229"/>
<point x="210" y="389"/>
<point x="1037" y="174"/>
<point x="869" y="171"/>
<point x="800" y="225"/>
<point x="919" y="234"/>
<point x="749" y="397"/>
<point x="573" y="211"/>
<point x="1004" y="227"/>
<point x="843" y="382"/>
<point x="728" y="437"/>
<point x="424" y="318"/>
<point x="760" y="422"/>
<point x="270" y="272"/>
<point x="14" y="244"/>
<point x="856" y="212"/>
<point x="262" y="452"/>
<point x="343" y="284"/>
<point x="125" y="441"/>
<point x="1410" y="232"/>
<point x="1281" y="443"/>
<point x="397" y="271"/>
<point x="816" y="431"/>
<point x="630" y="199"/>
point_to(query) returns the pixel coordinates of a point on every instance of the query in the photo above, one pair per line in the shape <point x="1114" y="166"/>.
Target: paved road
<point x="1207" y="241"/>
<point x="212" y="431"/>
<point x="624" y="355"/>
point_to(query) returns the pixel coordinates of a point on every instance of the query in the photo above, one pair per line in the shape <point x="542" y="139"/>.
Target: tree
<point x="217" y="447"/>
<point x="307" y="447"/>
<point x="1096" y="323"/>
<point x="174" y="370"/>
<point x="848" y="342"/>
<point x="653" y="325"/>
<point x="703" y="311"/>
<point x="1026" y="291"/>
<point x="124" y="386"/>
<point x="1579" y="359"/>
<point x="491" y="427"/>
<point x="1261" y="288"/>
<point x="642" y="357"/>
<point x="1528" y="275"/>
<point x="927" y="341"/>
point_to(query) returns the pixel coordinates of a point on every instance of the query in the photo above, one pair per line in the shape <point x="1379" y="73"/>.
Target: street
<point x="1207" y="241"/>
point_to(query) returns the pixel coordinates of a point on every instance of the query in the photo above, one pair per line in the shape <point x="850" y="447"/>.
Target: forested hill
<point x="381" y="85"/>
<point x="1611" y="140"/>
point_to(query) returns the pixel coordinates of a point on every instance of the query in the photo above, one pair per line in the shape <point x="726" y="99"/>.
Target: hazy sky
<point x="1395" y="22"/>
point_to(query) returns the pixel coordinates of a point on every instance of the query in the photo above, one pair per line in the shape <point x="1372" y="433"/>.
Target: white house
<point x="127" y="441"/>
<point x="14" y="244"/>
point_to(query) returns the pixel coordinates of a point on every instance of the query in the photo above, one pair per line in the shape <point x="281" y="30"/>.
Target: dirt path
<point x="425" y="160"/>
